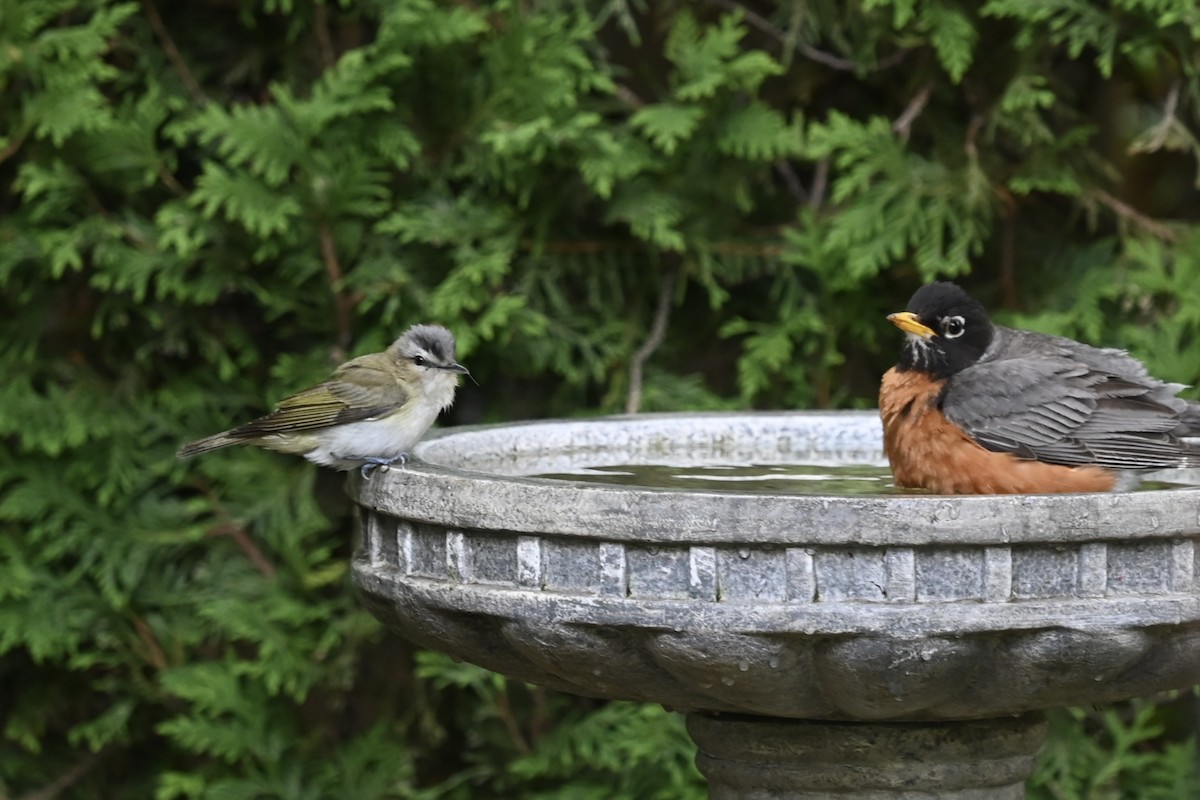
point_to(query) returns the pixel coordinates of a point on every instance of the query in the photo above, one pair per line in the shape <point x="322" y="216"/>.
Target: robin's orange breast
<point x="928" y="451"/>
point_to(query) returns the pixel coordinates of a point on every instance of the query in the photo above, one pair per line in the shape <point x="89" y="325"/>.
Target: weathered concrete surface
<point x="913" y="608"/>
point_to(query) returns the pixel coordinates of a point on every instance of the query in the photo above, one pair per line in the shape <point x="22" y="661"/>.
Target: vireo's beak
<point x="908" y="322"/>
<point x="454" y="366"/>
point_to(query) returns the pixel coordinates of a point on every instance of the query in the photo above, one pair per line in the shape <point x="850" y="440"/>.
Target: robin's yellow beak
<point x="908" y="322"/>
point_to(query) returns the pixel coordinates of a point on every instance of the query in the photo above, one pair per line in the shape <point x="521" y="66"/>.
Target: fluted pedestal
<point x="760" y="758"/>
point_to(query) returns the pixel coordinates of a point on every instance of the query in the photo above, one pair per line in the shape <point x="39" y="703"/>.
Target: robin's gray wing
<point x="360" y="389"/>
<point x="1012" y="343"/>
<point x="1061" y="411"/>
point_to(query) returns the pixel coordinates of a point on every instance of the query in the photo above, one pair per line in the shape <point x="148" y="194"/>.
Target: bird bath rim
<point x="450" y="460"/>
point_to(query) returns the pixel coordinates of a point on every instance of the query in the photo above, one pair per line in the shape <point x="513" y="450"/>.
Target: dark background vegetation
<point x="206" y="205"/>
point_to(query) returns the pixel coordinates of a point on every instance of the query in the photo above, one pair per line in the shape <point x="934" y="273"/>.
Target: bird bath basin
<point x="869" y="646"/>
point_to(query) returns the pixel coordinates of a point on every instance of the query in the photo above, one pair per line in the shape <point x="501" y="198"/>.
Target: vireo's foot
<point x="372" y="463"/>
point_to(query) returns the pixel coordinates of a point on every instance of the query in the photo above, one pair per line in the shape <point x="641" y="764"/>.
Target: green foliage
<point x="1114" y="753"/>
<point x="541" y="745"/>
<point x="206" y="205"/>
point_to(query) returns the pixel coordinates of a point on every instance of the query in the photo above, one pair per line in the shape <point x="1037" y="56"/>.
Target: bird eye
<point x="419" y="360"/>
<point x="953" y="327"/>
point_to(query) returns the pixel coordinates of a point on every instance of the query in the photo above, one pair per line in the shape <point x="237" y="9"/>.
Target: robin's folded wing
<point x="360" y="389"/>
<point x="1063" y="412"/>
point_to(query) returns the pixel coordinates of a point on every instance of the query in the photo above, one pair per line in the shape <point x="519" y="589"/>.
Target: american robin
<point x="977" y="408"/>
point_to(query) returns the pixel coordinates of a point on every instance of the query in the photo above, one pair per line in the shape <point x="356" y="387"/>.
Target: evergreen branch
<point x="1127" y="212"/>
<point x="808" y="51"/>
<point x="68" y="779"/>
<point x="342" y="303"/>
<point x="582" y="246"/>
<point x="658" y="332"/>
<point x="172" y="52"/>
<point x="594" y="247"/>
<point x="902" y="126"/>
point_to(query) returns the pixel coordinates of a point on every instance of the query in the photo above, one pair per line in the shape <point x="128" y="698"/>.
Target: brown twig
<point x="324" y="40"/>
<point x="68" y="779"/>
<point x="168" y="179"/>
<point x="253" y="553"/>
<point x="828" y="59"/>
<point x="658" y="332"/>
<point x="970" y="140"/>
<point x="12" y="147"/>
<point x="172" y="52"/>
<point x="902" y="126"/>
<point x="1163" y="128"/>
<point x="1009" y="295"/>
<point x="538" y="718"/>
<point x="747" y="249"/>
<point x="820" y="184"/>
<point x="342" y="304"/>
<point x="227" y="527"/>
<point x="891" y="59"/>
<point x="629" y="97"/>
<point x="792" y="181"/>
<point x="155" y="654"/>
<point x="505" y="712"/>
<point x="1131" y="214"/>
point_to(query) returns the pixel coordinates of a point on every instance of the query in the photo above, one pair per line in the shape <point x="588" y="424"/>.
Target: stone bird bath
<point x="870" y="646"/>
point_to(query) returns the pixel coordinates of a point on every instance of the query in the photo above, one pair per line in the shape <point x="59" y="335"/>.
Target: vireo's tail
<point x="214" y="442"/>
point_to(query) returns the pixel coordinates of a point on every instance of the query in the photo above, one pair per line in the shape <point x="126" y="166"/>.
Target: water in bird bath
<point x="811" y="479"/>
<point x="775" y="478"/>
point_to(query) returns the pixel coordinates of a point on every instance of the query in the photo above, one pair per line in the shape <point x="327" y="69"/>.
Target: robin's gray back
<point x="1059" y="401"/>
<point x="1008" y="343"/>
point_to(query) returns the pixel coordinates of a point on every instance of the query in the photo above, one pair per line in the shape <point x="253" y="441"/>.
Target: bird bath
<point x="864" y="646"/>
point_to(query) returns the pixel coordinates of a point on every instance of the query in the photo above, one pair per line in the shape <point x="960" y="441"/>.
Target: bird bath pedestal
<point x="886" y="646"/>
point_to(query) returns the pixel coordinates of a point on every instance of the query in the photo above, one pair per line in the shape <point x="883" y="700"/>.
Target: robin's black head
<point x="947" y="330"/>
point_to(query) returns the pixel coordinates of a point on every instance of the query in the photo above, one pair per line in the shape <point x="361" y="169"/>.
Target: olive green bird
<point x="369" y="413"/>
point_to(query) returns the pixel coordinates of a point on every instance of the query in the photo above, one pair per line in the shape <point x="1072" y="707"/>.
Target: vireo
<point x="368" y="414"/>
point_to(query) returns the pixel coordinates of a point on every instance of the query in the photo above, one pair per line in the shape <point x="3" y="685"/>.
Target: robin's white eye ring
<point x="953" y="327"/>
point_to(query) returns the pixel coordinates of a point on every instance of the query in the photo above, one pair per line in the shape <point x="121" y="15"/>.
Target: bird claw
<point x="373" y="463"/>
